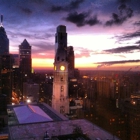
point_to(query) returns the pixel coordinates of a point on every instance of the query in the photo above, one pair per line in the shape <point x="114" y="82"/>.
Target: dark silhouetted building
<point x="25" y="58"/>
<point x="71" y="59"/>
<point x="15" y="75"/>
<point x="132" y="110"/>
<point x="6" y="76"/>
<point x="4" y="42"/>
<point x="5" y="65"/>
<point x="25" y="63"/>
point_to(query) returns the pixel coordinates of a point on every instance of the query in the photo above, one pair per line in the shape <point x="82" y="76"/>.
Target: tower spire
<point x="1" y="19"/>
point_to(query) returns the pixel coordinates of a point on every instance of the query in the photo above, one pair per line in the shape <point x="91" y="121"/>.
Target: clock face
<point x="62" y="67"/>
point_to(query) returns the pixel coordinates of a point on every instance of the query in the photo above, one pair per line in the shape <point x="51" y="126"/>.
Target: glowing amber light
<point x="62" y="67"/>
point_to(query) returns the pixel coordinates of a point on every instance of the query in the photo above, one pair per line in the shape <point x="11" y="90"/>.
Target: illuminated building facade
<point x="60" y="100"/>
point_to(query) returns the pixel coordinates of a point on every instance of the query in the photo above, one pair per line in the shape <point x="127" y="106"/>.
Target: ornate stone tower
<point x="60" y="100"/>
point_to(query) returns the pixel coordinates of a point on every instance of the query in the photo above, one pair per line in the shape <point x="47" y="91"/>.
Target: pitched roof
<point x="25" y="44"/>
<point x="31" y="114"/>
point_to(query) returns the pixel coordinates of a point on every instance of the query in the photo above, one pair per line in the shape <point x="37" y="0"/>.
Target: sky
<point x="105" y="34"/>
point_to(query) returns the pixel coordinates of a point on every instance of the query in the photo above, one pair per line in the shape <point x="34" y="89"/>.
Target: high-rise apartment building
<point x="60" y="99"/>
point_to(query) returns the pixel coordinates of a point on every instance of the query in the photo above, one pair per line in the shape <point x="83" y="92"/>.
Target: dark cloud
<point x="125" y="49"/>
<point x="93" y="21"/>
<point x="77" y="18"/>
<point x="125" y="13"/>
<point x="108" y="63"/>
<point x="74" y="4"/>
<point x="129" y="36"/>
<point x="81" y="19"/>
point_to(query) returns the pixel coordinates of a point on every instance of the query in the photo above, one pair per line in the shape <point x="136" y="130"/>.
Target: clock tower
<point x="60" y="99"/>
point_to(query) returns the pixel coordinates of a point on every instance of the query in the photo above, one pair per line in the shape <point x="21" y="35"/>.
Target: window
<point x="61" y="79"/>
<point x="62" y="88"/>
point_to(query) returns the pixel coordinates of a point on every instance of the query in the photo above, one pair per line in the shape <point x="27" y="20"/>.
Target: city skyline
<point x="104" y="34"/>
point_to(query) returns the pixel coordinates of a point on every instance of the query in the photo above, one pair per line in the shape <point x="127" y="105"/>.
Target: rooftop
<point x="57" y="129"/>
<point x="32" y="121"/>
<point x="32" y="113"/>
<point x="71" y="137"/>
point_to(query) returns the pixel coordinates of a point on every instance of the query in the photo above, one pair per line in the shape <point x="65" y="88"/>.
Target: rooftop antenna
<point x="1" y="19"/>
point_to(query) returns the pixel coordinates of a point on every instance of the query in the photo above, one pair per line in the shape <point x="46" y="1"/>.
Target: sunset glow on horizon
<point x="105" y="35"/>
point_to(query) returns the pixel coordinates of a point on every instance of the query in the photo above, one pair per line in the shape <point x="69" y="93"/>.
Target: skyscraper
<point x="70" y="53"/>
<point x="25" y="63"/>
<point x="4" y="41"/>
<point x="5" y="64"/>
<point x="6" y="76"/>
<point x="25" y="58"/>
<point x="60" y="100"/>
